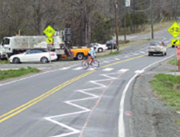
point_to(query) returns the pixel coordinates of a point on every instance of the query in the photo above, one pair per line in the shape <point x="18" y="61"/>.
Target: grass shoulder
<point x="5" y="74"/>
<point x="4" y="61"/>
<point x="166" y="87"/>
<point x="173" y="62"/>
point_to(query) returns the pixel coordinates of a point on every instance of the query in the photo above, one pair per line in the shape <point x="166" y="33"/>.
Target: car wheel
<point x="79" y="56"/>
<point x="149" y="54"/>
<point x="16" y="60"/>
<point x="44" y="60"/>
<point x="165" y="53"/>
<point x="100" y="50"/>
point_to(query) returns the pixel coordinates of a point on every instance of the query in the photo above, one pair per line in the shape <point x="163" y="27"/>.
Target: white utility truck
<point x="18" y="44"/>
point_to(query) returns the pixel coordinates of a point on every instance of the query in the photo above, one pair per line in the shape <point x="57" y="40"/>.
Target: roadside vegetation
<point x="174" y="62"/>
<point x="4" y="61"/>
<point x="167" y="88"/>
<point x="91" y="21"/>
<point x="5" y="74"/>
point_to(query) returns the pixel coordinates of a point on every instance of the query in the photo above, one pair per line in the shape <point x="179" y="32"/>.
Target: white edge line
<point x="121" y="126"/>
<point x="121" y="109"/>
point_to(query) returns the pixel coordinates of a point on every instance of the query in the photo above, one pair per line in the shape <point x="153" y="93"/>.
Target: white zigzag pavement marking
<point x="54" y="119"/>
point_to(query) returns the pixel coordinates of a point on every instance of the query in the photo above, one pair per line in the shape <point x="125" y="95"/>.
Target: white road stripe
<point x="106" y="62"/>
<point x="116" y="58"/>
<point x="123" y="70"/>
<point x="108" y="69"/>
<point x="65" y="68"/>
<point x="139" y="71"/>
<point x="78" y="68"/>
<point x="121" y="125"/>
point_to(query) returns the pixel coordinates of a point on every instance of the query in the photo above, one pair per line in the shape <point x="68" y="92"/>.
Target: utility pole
<point x="152" y="31"/>
<point x="115" y="8"/>
<point x="125" y="27"/>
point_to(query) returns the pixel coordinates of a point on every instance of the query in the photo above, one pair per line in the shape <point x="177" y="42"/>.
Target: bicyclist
<point x="91" y="55"/>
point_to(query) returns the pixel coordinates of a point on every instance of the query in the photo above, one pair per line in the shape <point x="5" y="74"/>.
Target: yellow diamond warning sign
<point x="174" y="30"/>
<point x="49" y="31"/>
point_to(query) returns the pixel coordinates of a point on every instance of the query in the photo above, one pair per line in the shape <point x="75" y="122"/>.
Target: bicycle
<point x="94" y="65"/>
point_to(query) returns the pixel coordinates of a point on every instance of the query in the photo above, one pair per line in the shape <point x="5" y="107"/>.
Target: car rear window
<point x="155" y="44"/>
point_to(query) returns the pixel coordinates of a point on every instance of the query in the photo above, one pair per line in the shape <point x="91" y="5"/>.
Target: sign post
<point x="174" y="30"/>
<point x="49" y="31"/>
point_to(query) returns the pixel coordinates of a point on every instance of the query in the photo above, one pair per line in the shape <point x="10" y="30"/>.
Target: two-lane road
<point x="74" y="102"/>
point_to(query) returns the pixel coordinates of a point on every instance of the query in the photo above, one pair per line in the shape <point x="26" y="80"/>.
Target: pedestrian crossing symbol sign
<point x="175" y="42"/>
<point x="174" y="30"/>
<point x="49" y="40"/>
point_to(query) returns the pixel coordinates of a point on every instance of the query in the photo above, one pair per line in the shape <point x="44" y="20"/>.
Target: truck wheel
<point x="16" y="60"/>
<point x="100" y="50"/>
<point x="79" y="56"/>
<point x="44" y="60"/>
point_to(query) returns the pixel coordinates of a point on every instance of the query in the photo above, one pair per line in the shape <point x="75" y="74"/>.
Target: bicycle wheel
<point x="84" y="64"/>
<point x="95" y="64"/>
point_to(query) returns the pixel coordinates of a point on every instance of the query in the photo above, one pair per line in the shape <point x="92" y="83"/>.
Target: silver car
<point x="157" y="48"/>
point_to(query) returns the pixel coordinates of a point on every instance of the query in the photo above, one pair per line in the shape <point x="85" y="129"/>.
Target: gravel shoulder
<point x="150" y="116"/>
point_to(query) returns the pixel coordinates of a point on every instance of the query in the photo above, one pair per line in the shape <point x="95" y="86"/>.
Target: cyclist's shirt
<point x="92" y="52"/>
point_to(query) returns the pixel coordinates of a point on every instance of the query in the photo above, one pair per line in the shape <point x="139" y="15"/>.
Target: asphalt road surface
<point x="72" y="102"/>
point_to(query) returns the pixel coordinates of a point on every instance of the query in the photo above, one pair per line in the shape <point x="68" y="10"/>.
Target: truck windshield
<point x="5" y="41"/>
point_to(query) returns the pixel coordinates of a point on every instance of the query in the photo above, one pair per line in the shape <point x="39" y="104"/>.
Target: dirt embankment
<point x="150" y="116"/>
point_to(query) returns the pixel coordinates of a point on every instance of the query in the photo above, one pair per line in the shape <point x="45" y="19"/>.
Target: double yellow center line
<point x="50" y="92"/>
<point x="41" y="97"/>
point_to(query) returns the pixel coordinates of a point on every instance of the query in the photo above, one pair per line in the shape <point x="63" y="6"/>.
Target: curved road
<point x="71" y="102"/>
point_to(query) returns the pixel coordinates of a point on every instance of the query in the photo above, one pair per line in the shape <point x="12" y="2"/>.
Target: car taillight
<point x="52" y="54"/>
<point x="150" y="44"/>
